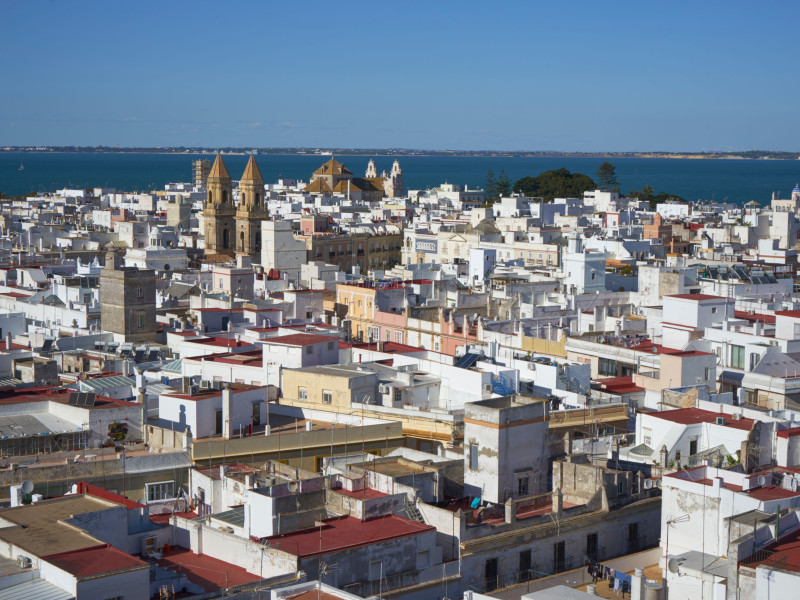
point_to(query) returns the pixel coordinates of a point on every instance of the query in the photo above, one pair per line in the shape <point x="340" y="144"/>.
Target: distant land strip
<point x="744" y="155"/>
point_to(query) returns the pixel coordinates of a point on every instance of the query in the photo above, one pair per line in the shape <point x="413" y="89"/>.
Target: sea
<point x="730" y="180"/>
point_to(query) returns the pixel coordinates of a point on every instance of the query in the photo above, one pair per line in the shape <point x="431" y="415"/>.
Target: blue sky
<point x="557" y="75"/>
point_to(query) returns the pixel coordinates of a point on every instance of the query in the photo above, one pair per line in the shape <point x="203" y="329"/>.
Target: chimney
<point x="227" y="409"/>
<point x="8" y="341"/>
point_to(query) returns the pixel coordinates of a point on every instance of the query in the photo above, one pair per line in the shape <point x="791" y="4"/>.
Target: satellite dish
<point x="141" y="501"/>
<point x="762" y="481"/>
<point x="292" y="487"/>
<point x="673" y="565"/>
<point x="648" y="484"/>
<point x="658" y="483"/>
<point x="27" y="486"/>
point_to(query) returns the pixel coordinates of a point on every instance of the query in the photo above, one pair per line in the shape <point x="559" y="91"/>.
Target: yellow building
<point x="357" y="389"/>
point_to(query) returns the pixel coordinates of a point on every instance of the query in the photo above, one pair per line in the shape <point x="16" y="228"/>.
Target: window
<point x="559" y="557"/>
<point x="606" y="366"/>
<point x="375" y="570"/>
<point x="164" y="490"/>
<point x="436" y="346"/>
<point x="388" y="336"/>
<point x="327" y="396"/>
<point x="309" y="349"/>
<point x="139" y="292"/>
<point x="398" y="337"/>
<point x="707" y="373"/>
<point x="737" y="357"/>
<point x="525" y="565"/>
<point x="591" y="546"/>
<point x="692" y="447"/>
<point x="753" y="360"/>
<point x="398" y="396"/>
<point x="309" y="314"/>
<point x="330" y="345"/>
<point x="473" y="457"/>
<point x="713" y="310"/>
<point x="647" y="436"/>
<point x="302" y="393"/>
<point x="141" y="321"/>
<point x="522" y="486"/>
<point x="620" y="487"/>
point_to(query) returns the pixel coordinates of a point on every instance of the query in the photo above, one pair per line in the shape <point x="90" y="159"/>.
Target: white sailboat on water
<point x="21" y="167"/>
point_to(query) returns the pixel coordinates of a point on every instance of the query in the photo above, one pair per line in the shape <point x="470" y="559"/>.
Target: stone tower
<point x="251" y="211"/>
<point x="371" y="171"/>
<point x="219" y="211"/>
<point x="128" y="307"/>
<point x="393" y="183"/>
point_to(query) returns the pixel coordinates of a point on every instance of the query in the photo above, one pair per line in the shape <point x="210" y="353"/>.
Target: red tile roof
<point x="788" y="313"/>
<point x="96" y="561"/>
<point x="787" y="433"/>
<point x="300" y="339"/>
<point x="620" y="385"/>
<point x="699" y="297"/>
<point x="343" y="533"/>
<point x="98" y="492"/>
<point x="692" y="416"/>
<point x="761" y="317"/>
<point x="771" y="492"/>
<point x="209" y="573"/>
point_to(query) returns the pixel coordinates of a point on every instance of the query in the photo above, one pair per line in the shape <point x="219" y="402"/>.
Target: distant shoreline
<point x="383" y="152"/>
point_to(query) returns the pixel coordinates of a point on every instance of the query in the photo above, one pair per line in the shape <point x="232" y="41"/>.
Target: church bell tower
<point x="218" y="211"/>
<point x="251" y="211"/>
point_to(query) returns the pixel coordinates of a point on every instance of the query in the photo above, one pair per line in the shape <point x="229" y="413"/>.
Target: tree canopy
<point x="560" y="183"/>
<point x="497" y="187"/>
<point x="607" y="176"/>
<point x="648" y="194"/>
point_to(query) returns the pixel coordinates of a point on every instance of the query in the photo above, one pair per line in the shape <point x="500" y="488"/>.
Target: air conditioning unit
<point x="24" y="562"/>
<point x="384" y="389"/>
<point x="736" y="417"/>
<point x="149" y="545"/>
<point x="720" y="420"/>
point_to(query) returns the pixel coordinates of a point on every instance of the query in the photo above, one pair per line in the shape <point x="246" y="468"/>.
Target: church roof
<point x="360" y="184"/>
<point x="333" y="167"/>
<point x="251" y="171"/>
<point x="318" y="186"/>
<point x="218" y="169"/>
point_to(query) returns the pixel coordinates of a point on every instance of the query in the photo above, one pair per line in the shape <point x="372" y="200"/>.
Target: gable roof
<point x="333" y="167"/>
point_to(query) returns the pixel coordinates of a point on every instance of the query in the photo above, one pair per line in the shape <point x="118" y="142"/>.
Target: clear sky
<point x="530" y="75"/>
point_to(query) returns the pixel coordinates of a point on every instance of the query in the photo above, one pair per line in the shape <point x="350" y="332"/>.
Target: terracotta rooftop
<point x="699" y="297"/>
<point x="300" y="339"/>
<point x="209" y="573"/>
<point x="692" y="416"/>
<point x="89" y="563"/>
<point x="343" y="533"/>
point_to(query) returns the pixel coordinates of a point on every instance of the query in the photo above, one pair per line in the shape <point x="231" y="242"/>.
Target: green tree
<point x="491" y="185"/>
<point x="607" y="176"/>
<point x="503" y="184"/>
<point x="560" y="183"/>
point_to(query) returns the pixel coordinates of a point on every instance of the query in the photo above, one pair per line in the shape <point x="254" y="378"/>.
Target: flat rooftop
<point x="40" y="528"/>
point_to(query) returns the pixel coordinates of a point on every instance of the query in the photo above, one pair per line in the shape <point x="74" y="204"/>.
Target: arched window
<point x="224" y="196"/>
<point x="257" y="238"/>
<point x="258" y="197"/>
<point x="244" y="200"/>
<point x="241" y="241"/>
<point x="225" y="238"/>
<point x="210" y="197"/>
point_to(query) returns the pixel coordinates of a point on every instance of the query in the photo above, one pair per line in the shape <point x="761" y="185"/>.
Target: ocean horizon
<point x="731" y="180"/>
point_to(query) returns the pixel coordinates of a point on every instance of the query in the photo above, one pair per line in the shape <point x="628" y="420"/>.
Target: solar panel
<point x="138" y="356"/>
<point x="73" y="398"/>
